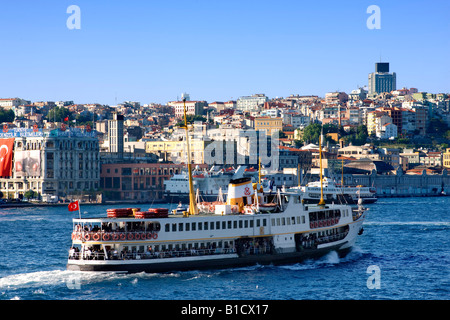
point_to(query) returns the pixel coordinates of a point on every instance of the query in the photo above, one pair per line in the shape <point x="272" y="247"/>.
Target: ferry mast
<point x="192" y="204"/>
<point x="322" y="201"/>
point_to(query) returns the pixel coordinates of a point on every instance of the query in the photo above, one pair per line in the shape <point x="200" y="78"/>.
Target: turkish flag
<point x="73" y="206"/>
<point x="66" y="119"/>
<point x="6" y="152"/>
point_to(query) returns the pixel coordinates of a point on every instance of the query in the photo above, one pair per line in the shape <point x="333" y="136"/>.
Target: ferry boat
<point x="334" y="193"/>
<point x="240" y="232"/>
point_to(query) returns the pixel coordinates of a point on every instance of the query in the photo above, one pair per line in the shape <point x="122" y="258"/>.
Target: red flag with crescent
<point x="74" y="206"/>
<point x="6" y="152"/>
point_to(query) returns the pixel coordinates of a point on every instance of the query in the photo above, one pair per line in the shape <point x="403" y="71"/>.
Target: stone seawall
<point x="400" y="184"/>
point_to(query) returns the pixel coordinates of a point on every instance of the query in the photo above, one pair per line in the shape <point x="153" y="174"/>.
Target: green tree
<point x="58" y="114"/>
<point x="6" y="115"/>
<point x="311" y="133"/>
<point x="30" y="194"/>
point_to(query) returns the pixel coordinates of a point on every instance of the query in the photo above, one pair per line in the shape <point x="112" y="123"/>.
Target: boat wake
<point x="407" y="223"/>
<point x="70" y="279"/>
<point x="330" y="259"/>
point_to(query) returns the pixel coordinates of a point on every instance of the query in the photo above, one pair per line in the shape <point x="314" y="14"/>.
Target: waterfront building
<point x="137" y="181"/>
<point x="446" y="158"/>
<point x="381" y="80"/>
<point x="56" y="162"/>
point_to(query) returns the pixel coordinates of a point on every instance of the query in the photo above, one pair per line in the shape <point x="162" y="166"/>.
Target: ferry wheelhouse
<point x="251" y="227"/>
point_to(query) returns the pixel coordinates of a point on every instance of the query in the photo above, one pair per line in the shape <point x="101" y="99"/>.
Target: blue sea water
<point x="406" y="239"/>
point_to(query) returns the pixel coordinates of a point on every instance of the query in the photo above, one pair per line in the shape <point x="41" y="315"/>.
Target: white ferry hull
<point x="205" y="262"/>
<point x="276" y="256"/>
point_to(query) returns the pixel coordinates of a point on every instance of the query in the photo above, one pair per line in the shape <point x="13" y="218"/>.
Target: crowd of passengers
<point x="312" y="240"/>
<point x="108" y="227"/>
<point x="254" y="246"/>
<point x="93" y="253"/>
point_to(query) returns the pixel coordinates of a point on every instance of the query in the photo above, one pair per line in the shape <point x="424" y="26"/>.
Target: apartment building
<point x="52" y="162"/>
<point x="268" y="124"/>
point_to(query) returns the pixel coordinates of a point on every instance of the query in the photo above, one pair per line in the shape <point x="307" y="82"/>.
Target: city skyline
<point x="152" y="51"/>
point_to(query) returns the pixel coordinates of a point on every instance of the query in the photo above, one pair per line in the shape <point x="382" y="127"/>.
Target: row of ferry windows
<point x="217" y="225"/>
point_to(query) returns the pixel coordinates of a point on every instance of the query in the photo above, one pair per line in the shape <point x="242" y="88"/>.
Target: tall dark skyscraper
<point x="381" y="80"/>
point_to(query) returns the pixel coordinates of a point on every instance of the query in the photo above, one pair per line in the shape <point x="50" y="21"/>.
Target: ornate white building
<point x="52" y="162"/>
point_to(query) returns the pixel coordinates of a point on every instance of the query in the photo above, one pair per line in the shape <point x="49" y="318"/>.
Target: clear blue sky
<point x="151" y="51"/>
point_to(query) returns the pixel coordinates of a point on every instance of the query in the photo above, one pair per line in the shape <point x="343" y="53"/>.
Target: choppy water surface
<point x="407" y="239"/>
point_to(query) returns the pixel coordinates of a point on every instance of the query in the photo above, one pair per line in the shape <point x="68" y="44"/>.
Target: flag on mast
<point x="74" y="206"/>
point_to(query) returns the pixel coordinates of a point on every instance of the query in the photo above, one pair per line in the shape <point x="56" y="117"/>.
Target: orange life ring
<point x="73" y="235"/>
<point x="79" y="236"/>
<point x="96" y="237"/>
<point x="311" y="225"/>
<point x="87" y="237"/>
<point x="149" y="235"/>
<point x="115" y="236"/>
<point x="137" y="236"/>
<point x="130" y="236"/>
<point x="123" y="236"/>
<point x="143" y="236"/>
<point x="155" y="235"/>
<point x="316" y="224"/>
<point x="106" y="237"/>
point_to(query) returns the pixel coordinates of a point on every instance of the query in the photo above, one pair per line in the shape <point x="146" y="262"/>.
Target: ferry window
<point x="200" y="226"/>
<point x="167" y="227"/>
<point x="217" y="225"/>
<point x="258" y="223"/>
<point x="246" y="224"/>
<point x="206" y="226"/>
<point x="211" y="225"/>
<point x="193" y="226"/>
<point x="264" y="222"/>
<point x="283" y="222"/>
<point x="288" y="221"/>
<point x="293" y="220"/>
<point x="180" y="227"/>
<point x="252" y="223"/>
<point x="188" y="226"/>
<point x="240" y="224"/>
<point x="278" y="221"/>
<point x="229" y="224"/>
<point x="174" y="227"/>
<point x="303" y="219"/>
<point x="273" y="222"/>
<point x="235" y="224"/>
<point x="224" y="225"/>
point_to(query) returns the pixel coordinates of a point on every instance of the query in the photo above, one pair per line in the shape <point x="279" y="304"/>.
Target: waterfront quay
<point x="399" y="184"/>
